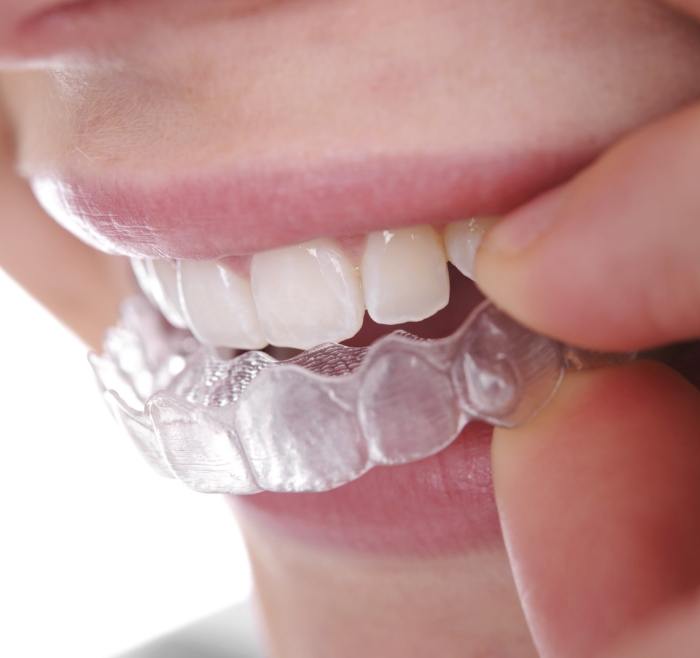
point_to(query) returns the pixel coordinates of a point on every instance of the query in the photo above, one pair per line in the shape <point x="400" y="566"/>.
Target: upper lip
<point x="247" y="209"/>
<point x="48" y="28"/>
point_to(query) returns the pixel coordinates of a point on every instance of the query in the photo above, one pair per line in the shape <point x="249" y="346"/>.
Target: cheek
<point x="425" y="77"/>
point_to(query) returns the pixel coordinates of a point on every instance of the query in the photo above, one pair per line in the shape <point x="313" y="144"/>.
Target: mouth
<point x="337" y="432"/>
<point x="380" y="354"/>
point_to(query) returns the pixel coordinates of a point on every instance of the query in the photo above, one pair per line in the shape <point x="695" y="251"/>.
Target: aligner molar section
<point x="406" y="407"/>
<point x="202" y="452"/>
<point x="298" y="431"/>
<point x="503" y="372"/>
<point x="140" y="431"/>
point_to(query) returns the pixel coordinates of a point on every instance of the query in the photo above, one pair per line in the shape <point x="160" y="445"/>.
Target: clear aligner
<point x="323" y="418"/>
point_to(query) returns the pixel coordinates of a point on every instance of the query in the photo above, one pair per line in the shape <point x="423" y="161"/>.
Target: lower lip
<point x="440" y="505"/>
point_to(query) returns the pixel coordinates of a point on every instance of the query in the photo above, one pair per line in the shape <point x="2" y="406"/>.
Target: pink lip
<point x="246" y="209"/>
<point x="48" y="28"/>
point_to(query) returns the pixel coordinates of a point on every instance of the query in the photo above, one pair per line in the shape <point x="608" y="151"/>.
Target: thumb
<point x="676" y="634"/>
<point x="611" y="260"/>
<point x="599" y="499"/>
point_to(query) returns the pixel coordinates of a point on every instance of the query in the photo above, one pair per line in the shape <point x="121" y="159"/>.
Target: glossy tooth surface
<point x="158" y="280"/>
<point x="306" y="294"/>
<point x="404" y="275"/>
<point x="143" y="271"/>
<point x="462" y="240"/>
<point x="218" y="305"/>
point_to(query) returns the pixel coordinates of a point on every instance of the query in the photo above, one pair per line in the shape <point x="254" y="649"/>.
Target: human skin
<point x="273" y="86"/>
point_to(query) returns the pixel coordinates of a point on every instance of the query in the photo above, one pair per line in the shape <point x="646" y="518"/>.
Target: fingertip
<point x="609" y="260"/>
<point x="599" y="500"/>
<point x="674" y="633"/>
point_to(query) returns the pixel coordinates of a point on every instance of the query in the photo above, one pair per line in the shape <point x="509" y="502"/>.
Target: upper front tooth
<point x="158" y="280"/>
<point x="462" y="240"/>
<point x="404" y="274"/>
<point x="218" y="304"/>
<point x="307" y="294"/>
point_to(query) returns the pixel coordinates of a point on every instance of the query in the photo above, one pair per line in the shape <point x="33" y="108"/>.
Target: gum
<point x="325" y="417"/>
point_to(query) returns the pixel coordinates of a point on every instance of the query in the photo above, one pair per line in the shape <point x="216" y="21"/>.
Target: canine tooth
<point x="462" y="240"/>
<point x="404" y="274"/>
<point x="144" y="277"/>
<point x="168" y="296"/>
<point x="306" y="294"/>
<point x="218" y="305"/>
<point x="158" y="281"/>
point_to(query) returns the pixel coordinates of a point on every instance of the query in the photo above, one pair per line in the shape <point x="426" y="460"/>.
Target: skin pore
<point x="300" y="83"/>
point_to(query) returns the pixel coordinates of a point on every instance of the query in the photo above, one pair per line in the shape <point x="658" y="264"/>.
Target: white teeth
<point x="312" y="293"/>
<point x="168" y="296"/>
<point x="158" y="280"/>
<point x="462" y="240"/>
<point x="307" y="294"/>
<point x="143" y="271"/>
<point x="404" y="274"/>
<point x="218" y="305"/>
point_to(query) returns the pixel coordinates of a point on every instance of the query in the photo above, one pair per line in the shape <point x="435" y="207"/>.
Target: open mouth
<point x="235" y="419"/>
<point x="379" y="351"/>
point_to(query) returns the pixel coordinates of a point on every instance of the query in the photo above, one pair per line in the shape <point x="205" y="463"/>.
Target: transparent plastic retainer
<point x="323" y="418"/>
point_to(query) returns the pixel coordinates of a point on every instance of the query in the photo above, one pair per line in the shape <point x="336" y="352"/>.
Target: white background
<point x="97" y="553"/>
